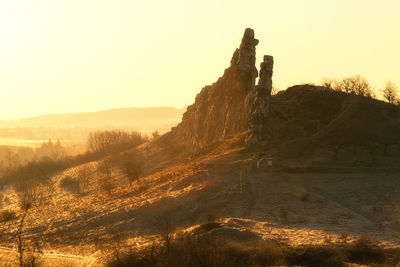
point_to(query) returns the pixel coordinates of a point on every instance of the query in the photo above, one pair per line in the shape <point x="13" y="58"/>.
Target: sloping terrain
<point x="308" y="121"/>
<point x="224" y="184"/>
<point x="321" y="167"/>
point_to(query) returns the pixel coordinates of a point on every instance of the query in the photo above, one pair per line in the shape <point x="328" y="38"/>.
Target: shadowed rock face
<point x="245" y="59"/>
<point x="231" y="105"/>
<point x="259" y="100"/>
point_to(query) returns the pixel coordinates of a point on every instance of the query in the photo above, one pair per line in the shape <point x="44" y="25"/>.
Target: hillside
<point x="144" y="119"/>
<point x="224" y="183"/>
<point x="311" y="122"/>
<point x="306" y="166"/>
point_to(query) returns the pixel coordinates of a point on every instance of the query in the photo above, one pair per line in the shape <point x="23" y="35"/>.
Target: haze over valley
<point x="286" y="152"/>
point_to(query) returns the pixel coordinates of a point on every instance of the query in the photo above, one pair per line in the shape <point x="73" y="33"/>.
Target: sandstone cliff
<point x="232" y="105"/>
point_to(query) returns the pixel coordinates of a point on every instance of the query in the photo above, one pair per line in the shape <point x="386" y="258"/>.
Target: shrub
<point x="70" y="184"/>
<point x="132" y="170"/>
<point x="365" y="250"/>
<point x="106" y="184"/>
<point x="7" y="216"/>
<point x="353" y="85"/>
<point x="129" y="163"/>
<point x="83" y="175"/>
<point x="33" y="172"/>
<point x="314" y="256"/>
<point x="108" y="141"/>
<point x="202" y="250"/>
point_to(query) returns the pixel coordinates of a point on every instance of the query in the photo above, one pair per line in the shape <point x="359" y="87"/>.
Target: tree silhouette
<point x="390" y="92"/>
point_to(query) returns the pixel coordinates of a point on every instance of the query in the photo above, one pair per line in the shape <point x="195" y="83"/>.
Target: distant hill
<point x="143" y="119"/>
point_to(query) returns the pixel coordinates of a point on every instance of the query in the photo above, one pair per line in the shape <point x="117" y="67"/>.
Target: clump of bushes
<point x="33" y="172"/>
<point x="7" y="216"/>
<point x="314" y="256"/>
<point x="207" y="250"/>
<point x="113" y="140"/>
<point x="200" y="251"/>
<point x="365" y="250"/>
<point x="353" y="85"/>
<point x="70" y="184"/>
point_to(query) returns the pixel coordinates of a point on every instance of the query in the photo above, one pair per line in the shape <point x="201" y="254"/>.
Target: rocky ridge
<point x="231" y="105"/>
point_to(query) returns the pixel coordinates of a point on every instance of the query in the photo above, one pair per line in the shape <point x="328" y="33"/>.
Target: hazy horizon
<point x="85" y="112"/>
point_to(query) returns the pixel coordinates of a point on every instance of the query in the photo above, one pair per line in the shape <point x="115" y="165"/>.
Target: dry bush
<point x="391" y="93"/>
<point x="314" y="256"/>
<point x="206" y="250"/>
<point x="83" y="175"/>
<point x="70" y="184"/>
<point x="365" y="250"/>
<point x="356" y="84"/>
<point x="128" y="163"/>
<point x="131" y="165"/>
<point x="106" y="185"/>
<point x="7" y="216"/>
<point x="113" y="140"/>
<point x="199" y="251"/>
<point x="105" y="169"/>
<point x="35" y="172"/>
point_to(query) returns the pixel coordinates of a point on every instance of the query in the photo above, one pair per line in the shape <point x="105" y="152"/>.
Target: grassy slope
<point x="313" y="205"/>
<point x="297" y="208"/>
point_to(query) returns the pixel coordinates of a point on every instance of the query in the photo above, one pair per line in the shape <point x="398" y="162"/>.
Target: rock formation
<point x="259" y="103"/>
<point x="245" y="59"/>
<point x="231" y="105"/>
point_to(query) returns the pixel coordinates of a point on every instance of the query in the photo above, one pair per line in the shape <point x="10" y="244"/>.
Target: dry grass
<point x="269" y="205"/>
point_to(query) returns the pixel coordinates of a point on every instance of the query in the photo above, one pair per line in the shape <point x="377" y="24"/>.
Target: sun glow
<point x="65" y="56"/>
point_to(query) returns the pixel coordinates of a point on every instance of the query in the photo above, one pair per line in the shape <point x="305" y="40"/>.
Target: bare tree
<point x="333" y="84"/>
<point x="105" y="168"/>
<point x="26" y="204"/>
<point x="390" y="92"/>
<point x="106" y="141"/>
<point x="357" y="85"/>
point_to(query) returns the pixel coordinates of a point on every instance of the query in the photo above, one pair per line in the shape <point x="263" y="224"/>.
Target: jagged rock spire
<point x="245" y="59"/>
<point x="258" y="97"/>
<point x="232" y="105"/>
<point x="265" y="81"/>
<point x="259" y="103"/>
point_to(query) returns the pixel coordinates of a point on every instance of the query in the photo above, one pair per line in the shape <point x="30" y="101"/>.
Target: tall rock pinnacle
<point x="259" y="103"/>
<point x="232" y="105"/>
<point x="245" y="59"/>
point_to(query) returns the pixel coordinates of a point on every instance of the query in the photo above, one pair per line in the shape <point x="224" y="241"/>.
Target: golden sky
<point x="61" y="56"/>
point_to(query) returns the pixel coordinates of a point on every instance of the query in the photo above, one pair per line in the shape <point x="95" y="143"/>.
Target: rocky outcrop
<point x="259" y="103"/>
<point x="245" y="59"/>
<point x="231" y="105"/>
